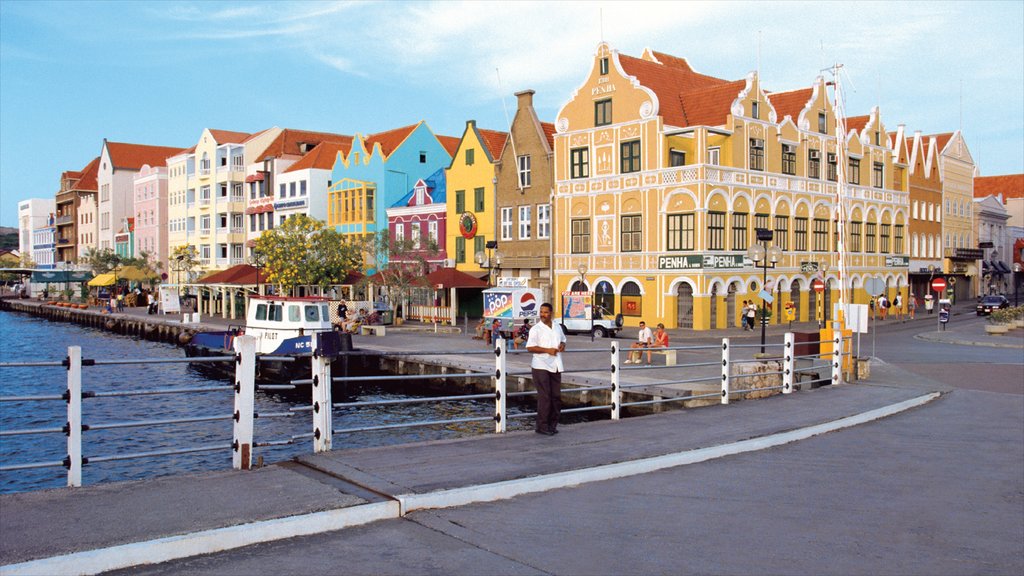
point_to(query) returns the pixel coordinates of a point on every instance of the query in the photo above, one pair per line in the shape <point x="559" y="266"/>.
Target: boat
<point x="283" y="327"/>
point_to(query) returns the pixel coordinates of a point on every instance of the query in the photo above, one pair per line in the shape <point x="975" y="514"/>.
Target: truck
<point x="581" y="315"/>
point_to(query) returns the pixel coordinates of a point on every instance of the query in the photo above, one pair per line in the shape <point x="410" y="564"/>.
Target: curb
<point x="233" y="537"/>
<point x="927" y="337"/>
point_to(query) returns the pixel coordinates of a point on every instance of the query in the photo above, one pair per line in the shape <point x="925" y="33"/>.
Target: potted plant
<point x="1017" y="316"/>
<point x="999" y="321"/>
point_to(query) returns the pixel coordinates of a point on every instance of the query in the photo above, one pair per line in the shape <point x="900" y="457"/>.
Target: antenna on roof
<point x="961" y="105"/>
<point x="600" y="16"/>
<point x="759" y="56"/>
<point x="508" y="122"/>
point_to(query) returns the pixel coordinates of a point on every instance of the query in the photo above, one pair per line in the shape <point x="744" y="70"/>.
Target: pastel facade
<point x="124" y="240"/>
<point x="76" y="187"/>
<point x="271" y="196"/>
<point x="377" y="171"/>
<point x="471" y="201"/>
<point x="961" y="256"/>
<point x="207" y="198"/>
<point x="119" y="164"/>
<point x="525" y="174"/>
<point x="421" y="218"/>
<point x="33" y="214"/>
<point x="150" y="236"/>
<point x="992" y="232"/>
<point x="662" y="175"/>
<point x="44" y="245"/>
<point x="925" y="186"/>
<point x="314" y="169"/>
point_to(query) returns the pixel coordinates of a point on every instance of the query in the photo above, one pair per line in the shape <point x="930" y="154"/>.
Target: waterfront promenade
<point x="647" y="484"/>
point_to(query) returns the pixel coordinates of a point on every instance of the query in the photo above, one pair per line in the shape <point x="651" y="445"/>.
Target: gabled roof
<point x="549" y="133"/>
<point x="241" y="274"/>
<point x="710" y="106"/>
<point x="87" y="177"/>
<point x="668" y="82"/>
<point x="390" y="139"/>
<point x="288" y="141"/>
<point x="494" y="141"/>
<point x="449" y="143"/>
<point x="941" y="140"/>
<point x="1009" y="185"/>
<point x="321" y="157"/>
<point x="790" y="103"/>
<point x="134" y="156"/>
<point x="229" y="137"/>
<point x="436" y="186"/>
<point x="857" y="123"/>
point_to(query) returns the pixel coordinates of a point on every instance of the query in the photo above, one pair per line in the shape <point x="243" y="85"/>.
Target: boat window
<point x="325" y="312"/>
<point x="311" y="314"/>
<point x="294" y="314"/>
<point x="275" y="313"/>
<point x="261" y="311"/>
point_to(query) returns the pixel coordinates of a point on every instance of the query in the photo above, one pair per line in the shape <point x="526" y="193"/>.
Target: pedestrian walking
<point x="743" y="316"/>
<point x="883" y="306"/>
<point x="547" y="342"/>
<point x="120" y="301"/>
<point x="897" y="307"/>
<point x="911" y="306"/>
<point x="751" y="314"/>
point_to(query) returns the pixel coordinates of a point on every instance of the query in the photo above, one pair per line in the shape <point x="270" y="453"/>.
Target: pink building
<point x="150" y="186"/>
<point x="420" y="217"/>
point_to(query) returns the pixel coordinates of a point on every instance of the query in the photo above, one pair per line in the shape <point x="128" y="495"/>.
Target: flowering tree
<point x="304" y="251"/>
<point x="404" y="267"/>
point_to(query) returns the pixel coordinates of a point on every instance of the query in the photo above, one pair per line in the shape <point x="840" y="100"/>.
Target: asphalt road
<point x="936" y="490"/>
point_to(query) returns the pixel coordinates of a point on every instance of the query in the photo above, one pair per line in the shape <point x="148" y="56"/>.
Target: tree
<point x="101" y="260"/>
<point x="302" y="251"/>
<point x="404" y="267"/>
<point x="184" y="259"/>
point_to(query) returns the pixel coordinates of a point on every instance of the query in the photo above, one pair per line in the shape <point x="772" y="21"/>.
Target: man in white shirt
<point x="643" y="340"/>
<point x="547" y="341"/>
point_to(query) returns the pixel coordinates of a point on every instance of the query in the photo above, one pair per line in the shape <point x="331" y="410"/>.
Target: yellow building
<point x="206" y="196"/>
<point x="662" y="175"/>
<point x="471" y="198"/>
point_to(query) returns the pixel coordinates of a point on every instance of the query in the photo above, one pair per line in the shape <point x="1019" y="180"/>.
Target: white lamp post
<point x="763" y="253"/>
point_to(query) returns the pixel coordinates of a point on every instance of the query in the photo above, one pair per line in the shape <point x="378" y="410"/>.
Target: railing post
<point x="500" y="386"/>
<point x="322" y="426"/>
<point x="726" y="376"/>
<point x="74" y="424"/>
<point x="788" y="362"/>
<point x="245" y="393"/>
<point x="837" y="359"/>
<point x="616" y="381"/>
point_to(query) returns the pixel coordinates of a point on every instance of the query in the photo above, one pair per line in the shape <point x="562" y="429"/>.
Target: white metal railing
<point x="717" y="370"/>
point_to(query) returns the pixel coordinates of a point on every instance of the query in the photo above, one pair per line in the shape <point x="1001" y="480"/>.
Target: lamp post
<point x="763" y="253"/>
<point x="489" y="260"/>
<point x="1016" y="270"/>
<point x="582" y="269"/>
<point x="258" y="261"/>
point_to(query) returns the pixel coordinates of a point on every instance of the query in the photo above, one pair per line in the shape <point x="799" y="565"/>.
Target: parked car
<point x="989" y="303"/>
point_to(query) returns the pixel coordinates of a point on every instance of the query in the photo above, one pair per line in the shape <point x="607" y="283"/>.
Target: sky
<point x="74" y="73"/>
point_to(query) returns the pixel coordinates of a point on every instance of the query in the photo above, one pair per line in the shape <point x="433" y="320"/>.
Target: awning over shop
<point x="68" y="276"/>
<point x="257" y="177"/>
<point x="136" y="274"/>
<point x="1001" y="266"/>
<point x="260" y="209"/>
<point x="452" y="278"/>
<point x="103" y="280"/>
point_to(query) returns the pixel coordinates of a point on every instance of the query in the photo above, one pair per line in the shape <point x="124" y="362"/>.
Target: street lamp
<point x="1016" y="270"/>
<point x="582" y="269"/>
<point x="258" y="261"/>
<point x="763" y="253"/>
<point x="489" y="260"/>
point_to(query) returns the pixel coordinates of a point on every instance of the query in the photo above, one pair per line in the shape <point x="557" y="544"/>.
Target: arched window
<point x="632" y="301"/>
<point x="604" y="296"/>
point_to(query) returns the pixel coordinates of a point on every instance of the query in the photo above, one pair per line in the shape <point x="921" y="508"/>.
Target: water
<point x="27" y="338"/>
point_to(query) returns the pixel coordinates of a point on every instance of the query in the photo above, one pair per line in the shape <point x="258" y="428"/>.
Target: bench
<point x="377" y="329"/>
<point x="670" y="355"/>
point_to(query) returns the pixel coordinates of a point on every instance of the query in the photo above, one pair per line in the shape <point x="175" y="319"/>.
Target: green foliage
<point x="401" y="265"/>
<point x="303" y="251"/>
<point x="183" y="262"/>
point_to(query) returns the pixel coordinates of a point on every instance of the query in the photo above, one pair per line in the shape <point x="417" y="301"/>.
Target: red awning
<point x="452" y="278"/>
<point x="260" y="208"/>
<point x="240" y="275"/>
<point x="257" y="177"/>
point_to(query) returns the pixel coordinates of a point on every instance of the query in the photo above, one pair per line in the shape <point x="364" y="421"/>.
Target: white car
<point x="601" y="325"/>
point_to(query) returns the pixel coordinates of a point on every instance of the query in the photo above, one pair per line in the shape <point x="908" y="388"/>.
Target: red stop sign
<point x="818" y="285"/>
<point x="939" y="284"/>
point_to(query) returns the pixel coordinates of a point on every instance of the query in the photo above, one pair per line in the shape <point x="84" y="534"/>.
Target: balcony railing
<point x="61" y="241"/>
<point x="67" y="219"/>
<point x="204" y="201"/>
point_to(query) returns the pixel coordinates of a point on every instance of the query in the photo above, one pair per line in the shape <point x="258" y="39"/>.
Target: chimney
<point x="525" y="99"/>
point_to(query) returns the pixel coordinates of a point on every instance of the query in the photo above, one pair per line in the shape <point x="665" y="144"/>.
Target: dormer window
<point x="423" y="157"/>
<point x="754" y="112"/>
<point x="822" y="123"/>
<point x="604" y="66"/>
<point x="470" y="156"/>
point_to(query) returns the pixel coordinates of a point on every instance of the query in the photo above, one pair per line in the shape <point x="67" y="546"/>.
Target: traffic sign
<point x="939" y="284"/>
<point x="818" y="285"/>
<point x="874" y="286"/>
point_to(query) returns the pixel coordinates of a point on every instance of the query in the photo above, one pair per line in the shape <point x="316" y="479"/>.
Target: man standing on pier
<point x="547" y="341"/>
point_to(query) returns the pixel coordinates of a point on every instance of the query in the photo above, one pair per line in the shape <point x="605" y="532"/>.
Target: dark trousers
<point x="549" y="399"/>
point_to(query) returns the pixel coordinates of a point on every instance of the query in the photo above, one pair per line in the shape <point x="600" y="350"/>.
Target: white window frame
<point x="525" y="219"/>
<point x="414" y="234"/>
<point x="506" y="223"/>
<point x="715" y="156"/>
<point x="543" y="221"/>
<point x="432" y="231"/>
<point x="525" y="177"/>
<point x="399" y="232"/>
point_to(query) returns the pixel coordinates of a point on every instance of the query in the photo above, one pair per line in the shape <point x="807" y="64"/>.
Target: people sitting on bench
<point x="660" y="340"/>
<point x="643" y="340"/>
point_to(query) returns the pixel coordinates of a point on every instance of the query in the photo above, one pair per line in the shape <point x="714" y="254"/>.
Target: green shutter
<point x="478" y="196"/>
<point x="460" y="249"/>
<point x="460" y="201"/>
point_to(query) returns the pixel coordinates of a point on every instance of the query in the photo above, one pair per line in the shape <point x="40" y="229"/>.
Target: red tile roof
<point x="287" y="142"/>
<point x="1009" y="185"/>
<point x="242" y="274"/>
<point x="492" y="139"/>
<point x="321" y="157"/>
<point x="857" y="123"/>
<point x="710" y="106"/>
<point x="134" y="156"/>
<point x="229" y="137"/>
<point x="450" y="143"/>
<point x="87" y="178"/>
<point x="549" y="133"/>
<point x="389" y="139"/>
<point x="790" y="103"/>
<point x="941" y="140"/>
<point x="683" y="65"/>
<point x="668" y="82"/>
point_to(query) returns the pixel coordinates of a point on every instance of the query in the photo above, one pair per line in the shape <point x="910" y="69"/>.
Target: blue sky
<point x="73" y="73"/>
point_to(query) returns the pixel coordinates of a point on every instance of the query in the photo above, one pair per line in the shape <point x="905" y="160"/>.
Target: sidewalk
<point x="131" y="523"/>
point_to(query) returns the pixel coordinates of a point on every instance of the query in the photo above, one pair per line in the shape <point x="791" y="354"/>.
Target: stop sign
<point x="818" y="285"/>
<point x="939" y="284"/>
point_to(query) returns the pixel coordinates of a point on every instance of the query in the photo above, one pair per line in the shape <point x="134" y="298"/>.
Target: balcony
<point x="66" y="219"/>
<point x="63" y="241"/>
<point x="204" y="231"/>
<point x="204" y="201"/>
